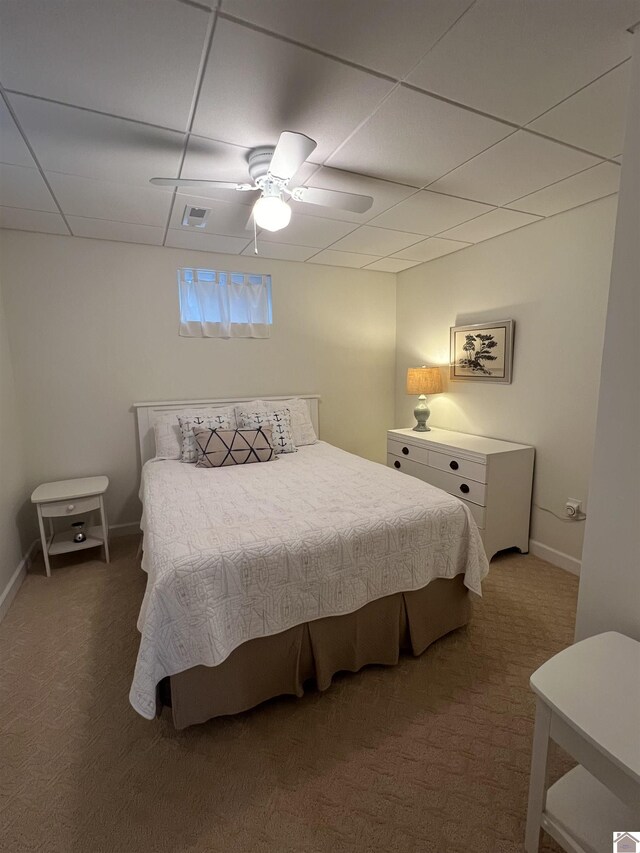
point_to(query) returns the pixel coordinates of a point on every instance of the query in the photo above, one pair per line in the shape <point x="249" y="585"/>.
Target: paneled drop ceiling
<point x="464" y="119"/>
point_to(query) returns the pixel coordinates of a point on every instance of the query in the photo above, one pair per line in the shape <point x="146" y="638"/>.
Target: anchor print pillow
<point x="209" y="418"/>
<point x="170" y="441"/>
<point x="278" y="421"/>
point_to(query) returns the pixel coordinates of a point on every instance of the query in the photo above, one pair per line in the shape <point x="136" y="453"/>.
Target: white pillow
<point x="168" y="438"/>
<point x="167" y="429"/>
<point x="279" y="420"/>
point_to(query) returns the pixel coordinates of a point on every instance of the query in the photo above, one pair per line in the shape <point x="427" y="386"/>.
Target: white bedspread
<point x="251" y="550"/>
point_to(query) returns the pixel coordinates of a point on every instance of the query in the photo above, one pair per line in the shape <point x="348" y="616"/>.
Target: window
<point x="219" y="304"/>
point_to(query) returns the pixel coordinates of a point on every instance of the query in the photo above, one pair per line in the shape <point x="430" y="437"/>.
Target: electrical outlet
<point x="573" y="508"/>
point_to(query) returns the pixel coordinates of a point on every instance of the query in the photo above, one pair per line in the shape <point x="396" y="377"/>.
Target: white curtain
<point x="220" y="304"/>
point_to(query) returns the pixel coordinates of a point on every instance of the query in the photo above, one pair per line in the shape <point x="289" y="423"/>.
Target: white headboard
<point x="146" y="415"/>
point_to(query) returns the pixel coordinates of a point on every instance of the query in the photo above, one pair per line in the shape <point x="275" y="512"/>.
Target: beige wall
<point x="94" y="328"/>
<point x="14" y="524"/>
<point x="609" y="598"/>
<point x="552" y="278"/>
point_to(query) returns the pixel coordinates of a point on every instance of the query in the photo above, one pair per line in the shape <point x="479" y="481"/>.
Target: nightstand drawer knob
<point x="405" y="450"/>
<point x="396" y="464"/>
<point x="464" y="489"/>
<point x="71" y="507"/>
<point x="454" y="465"/>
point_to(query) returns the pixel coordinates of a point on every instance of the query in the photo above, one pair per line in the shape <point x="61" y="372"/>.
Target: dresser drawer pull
<point x="464" y="489"/>
<point x="71" y="507"/>
<point x="453" y="465"/>
<point x="405" y="450"/>
<point x="396" y="464"/>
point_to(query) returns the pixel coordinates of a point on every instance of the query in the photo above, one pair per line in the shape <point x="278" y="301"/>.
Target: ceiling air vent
<point x="195" y="217"/>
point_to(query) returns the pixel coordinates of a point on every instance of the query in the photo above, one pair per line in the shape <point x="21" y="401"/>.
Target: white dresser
<point x="494" y="478"/>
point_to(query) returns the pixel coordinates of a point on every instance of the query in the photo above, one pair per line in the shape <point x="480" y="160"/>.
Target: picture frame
<point x="482" y="352"/>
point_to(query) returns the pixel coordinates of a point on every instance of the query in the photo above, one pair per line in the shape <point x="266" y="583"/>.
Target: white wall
<point x="14" y="524"/>
<point x="609" y="598"/>
<point x="94" y="328"/>
<point x="552" y="278"/>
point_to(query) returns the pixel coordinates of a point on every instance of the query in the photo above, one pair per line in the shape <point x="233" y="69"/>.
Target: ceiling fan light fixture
<point x="271" y="213"/>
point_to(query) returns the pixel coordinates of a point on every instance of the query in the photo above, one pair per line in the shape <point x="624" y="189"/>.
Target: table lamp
<point x="423" y="380"/>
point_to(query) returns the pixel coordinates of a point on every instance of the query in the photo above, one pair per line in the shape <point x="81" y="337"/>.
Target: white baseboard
<point x="11" y="589"/>
<point x="557" y="558"/>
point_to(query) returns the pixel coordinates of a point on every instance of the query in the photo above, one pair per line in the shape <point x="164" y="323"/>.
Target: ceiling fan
<point x="271" y="169"/>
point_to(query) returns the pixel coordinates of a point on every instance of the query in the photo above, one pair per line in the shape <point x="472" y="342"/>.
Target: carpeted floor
<point x="431" y="756"/>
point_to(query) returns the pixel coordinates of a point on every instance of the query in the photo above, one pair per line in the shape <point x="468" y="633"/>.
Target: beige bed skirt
<point x="272" y="666"/>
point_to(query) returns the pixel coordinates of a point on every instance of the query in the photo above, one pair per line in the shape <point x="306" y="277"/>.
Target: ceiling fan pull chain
<point x="255" y="237"/>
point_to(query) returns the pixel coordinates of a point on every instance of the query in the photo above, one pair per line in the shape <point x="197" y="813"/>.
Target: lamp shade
<point x="424" y="380"/>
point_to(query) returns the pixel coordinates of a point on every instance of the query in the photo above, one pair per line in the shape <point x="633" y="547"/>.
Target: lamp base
<point x="421" y="414"/>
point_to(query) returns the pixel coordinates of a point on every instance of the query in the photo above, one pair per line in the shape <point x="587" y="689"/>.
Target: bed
<point x="263" y="576"/>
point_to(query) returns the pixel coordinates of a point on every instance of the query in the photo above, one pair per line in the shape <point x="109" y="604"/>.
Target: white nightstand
<point x="493" y="477"/>
<point x="67" y="498"/>
<point x="588" y="701"/>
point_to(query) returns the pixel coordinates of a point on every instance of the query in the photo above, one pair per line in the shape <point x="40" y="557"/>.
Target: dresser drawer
<point x="408" y="451"/>
<point x="461" y="487"/>
<point x="478" y="513"/>
<point x="466" y="489"/>
<point x="56" y="509"/>
<point x="462" y="467"/>
<point x="406" y="466"/>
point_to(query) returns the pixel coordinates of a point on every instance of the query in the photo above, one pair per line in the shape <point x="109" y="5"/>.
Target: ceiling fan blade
<point x="291" y="152"/>
<point x="195" y="182"/>
<point x="331" y="198"/>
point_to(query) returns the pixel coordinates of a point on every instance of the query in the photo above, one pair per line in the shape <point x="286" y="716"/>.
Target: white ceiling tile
<point x="434" y="247"/>
<point x="32" y="220"/>
<point x="490" y="225"/>
<point x="310" y="231"/>
<point x="376" y="241"/>
<point x="229" y="220"/>
<point x="217" y="161"/>
<point x="280" y="251"/>
<point x="112" y="57"/>
<point x="13" y="148"/>
<point x="595" y="117"/>
<point x="342" y="259"/>
<point x="108" y="200"/>
<point x="429" y="213"/>
<point x="79" y="142"/>
<point x="124" y="232"/>
<point x="256" y="86"/>
<point x="391" y="265"/>
<point x="517" y="166"/>
<point x="384" y="194"/>
<point x="414" y="139"/>
<point x="368" y="32"/>
<point x="600" y="181"/>
<point x="517" y="58"/>
<point x="184" y="239"/>
<point x="22" y="186"/>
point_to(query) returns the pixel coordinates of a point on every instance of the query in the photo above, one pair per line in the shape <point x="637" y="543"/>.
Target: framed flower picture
<point x="482" y="352"/>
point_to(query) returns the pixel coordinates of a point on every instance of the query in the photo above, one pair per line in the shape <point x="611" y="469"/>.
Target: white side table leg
<point x="105" y="529"/>
<point x="538" y="778"/>
<point x="43" y="540"/>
